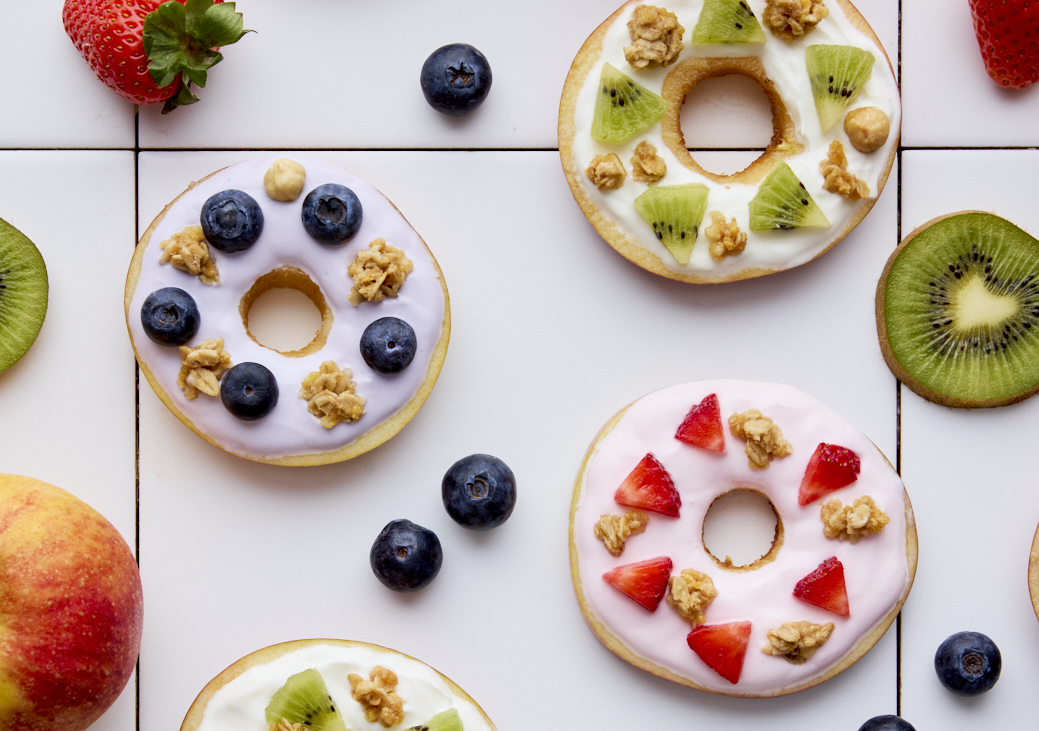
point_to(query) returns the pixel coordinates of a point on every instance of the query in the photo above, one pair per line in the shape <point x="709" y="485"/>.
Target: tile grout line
<point x="137" y="409"/>
<point x="898" y="389"/>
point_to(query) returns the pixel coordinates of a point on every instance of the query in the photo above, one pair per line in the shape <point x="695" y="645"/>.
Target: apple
<point x="71" y="609"/>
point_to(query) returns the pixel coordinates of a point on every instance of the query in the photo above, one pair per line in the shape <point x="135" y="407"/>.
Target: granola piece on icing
<point x="378" y="696"/>
<point x="201" y="368"/>
<point x="796" y="642"/>
<point x="656" y="37"/>
<point x="330" y="395"/>
<point x="851" y="522"/>
<point x="791" y="19"/>
<point x="646" y="165"/>
<point x="284" y="725"/>
<point x="689" y="594"/>
<point x="189" y="252"/>
<point x="614" y="530"/>
<point x="725" y="239"/>
<point x="606" y="171"/>
<point x="837" y="179"/>
<point x="765" y="440"/>
<point x="378" y="272"/>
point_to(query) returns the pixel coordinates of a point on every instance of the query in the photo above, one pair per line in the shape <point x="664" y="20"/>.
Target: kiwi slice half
<point x="838" y="74"/>
<point x="782" y="202"/>
<point x="674" y="212"/>
<point x="727" y="21"/>
<point x="304" y="699"/>
<point x="23" y="294"/>
<point x="958" y="311"/>
<point x="448" y="720"/>
<point x="623" y="107"/>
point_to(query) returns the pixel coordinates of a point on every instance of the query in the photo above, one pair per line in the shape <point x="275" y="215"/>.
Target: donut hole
<point x="742" y="530"/>
<point x="285" y="311"/>
<point x="729" y="115"/>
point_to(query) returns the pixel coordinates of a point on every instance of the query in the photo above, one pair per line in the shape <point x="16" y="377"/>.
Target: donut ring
<point x="797" y="139"/>
<point x="1033" y="573"/>
<point x="285" y="255"/>
<point x="878" y="569"/>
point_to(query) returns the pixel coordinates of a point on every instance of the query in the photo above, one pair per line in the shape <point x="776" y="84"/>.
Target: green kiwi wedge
<point x="448" y="720"/>
<point x="838" y="74"/>
<point x="958" y="311"/>
<point x="727" y="21"/>
<point x="623" y="107"/>
<point x="304" y="699"/>
<point x="23" y="294"/>
<point x="782" y="202"/>
<point x="674" y="212"/>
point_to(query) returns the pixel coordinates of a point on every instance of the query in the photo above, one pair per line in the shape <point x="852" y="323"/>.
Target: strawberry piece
<point x="829" y="469"/>
<point x="825" y="588"/>
<point x="702" y="426"/>
<point x="1007" y="32"/>
<point x="722" y="647"/>
<point x="649" y="487"/>
<point x="644" y="581"/>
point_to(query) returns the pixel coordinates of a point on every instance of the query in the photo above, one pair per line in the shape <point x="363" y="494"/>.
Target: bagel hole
<point x="742" y="530"/>
<point x="729" y="113"/>
<point x="286" y="312"/>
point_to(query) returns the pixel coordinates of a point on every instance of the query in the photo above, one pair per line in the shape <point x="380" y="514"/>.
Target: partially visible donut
<point x="1033" y="573"/>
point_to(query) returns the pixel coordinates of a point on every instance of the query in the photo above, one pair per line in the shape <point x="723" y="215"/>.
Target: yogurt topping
<point x="876" y="568"/>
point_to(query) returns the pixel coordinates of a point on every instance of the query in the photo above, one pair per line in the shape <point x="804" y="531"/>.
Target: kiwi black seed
<point x="23" y="294"/>
<point x="727" y="21"/>
<point x="958" y="311"/>
<point x="304" y="699"/>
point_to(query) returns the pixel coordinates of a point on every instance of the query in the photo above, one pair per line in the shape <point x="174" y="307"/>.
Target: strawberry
<point x="702" y="426"/>
<point x="644" y="581"/>
<point x="722" y="647"/>
<point x="830" y="468"/>
<point x="1008" y="33"/>
<point x="825" y="588"/>
<point x="150" y="53"/>
<point x="649" y="487"/>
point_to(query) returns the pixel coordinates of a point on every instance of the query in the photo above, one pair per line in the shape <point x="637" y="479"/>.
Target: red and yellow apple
<point x="70" y="609"/>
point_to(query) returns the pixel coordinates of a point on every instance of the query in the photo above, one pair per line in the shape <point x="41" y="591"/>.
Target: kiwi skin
<point x="896" y="368"/>
<point x="28" y="295"/>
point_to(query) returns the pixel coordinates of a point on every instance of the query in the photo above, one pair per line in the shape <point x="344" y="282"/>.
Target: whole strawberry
<point x="150" y="52"/>
<point x="1008" y="33"/>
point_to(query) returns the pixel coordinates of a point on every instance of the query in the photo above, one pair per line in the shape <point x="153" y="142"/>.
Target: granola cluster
<point x="837" y="179"/>
<point x="284" y="725"/>
<point x="614" y="530"/>
<point x="765" y="440"/>
<point x="201" y="368"/>
<point x="284" y="180"/>
<point x="791" y="19"/>
<point x="606" y="171"/>
<point x="690" y="593"/>
<point x="646" y="165"/>
<point x="724" y="239"/>
<point x="656" y="37"/>
<point x="851" y="522"/>
<point x="378" y="696"/>
<point x="797" y="641"/>
<point x="378" y="272"/>
<point x="330" y="395"/>
<point x="189" y="252"/>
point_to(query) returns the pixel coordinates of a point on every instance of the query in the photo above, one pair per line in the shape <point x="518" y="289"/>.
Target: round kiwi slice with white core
<point x="727" y="21"/>
<point x="623" y="107"/>
<point x="23" y="294"/>
<point x="958" y="311"/>
<point x="304" y="699"/>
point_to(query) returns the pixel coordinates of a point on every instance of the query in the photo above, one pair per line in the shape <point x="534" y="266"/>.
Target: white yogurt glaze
<point x="240" y="705"/>
<point x="876" y="568"/>
<point x="289" y="429"/>
<point x="785" y="65"/>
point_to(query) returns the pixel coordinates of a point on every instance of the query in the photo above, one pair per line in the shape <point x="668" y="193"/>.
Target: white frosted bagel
<point x="289" y="434"/>
<point x="798" y="139"/>
<point x="878" y="569"/>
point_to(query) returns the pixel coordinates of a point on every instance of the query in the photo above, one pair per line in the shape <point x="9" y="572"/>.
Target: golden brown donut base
<point x="1033" y="573"/>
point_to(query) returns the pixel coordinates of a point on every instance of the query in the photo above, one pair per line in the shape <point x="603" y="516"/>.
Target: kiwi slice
<point x="23" y="294"/>
<point x="448" y="720"/>
<point x="623" y="107"/>
<point x="958" y="311"/>
<point x="838" y="74"/>
<point x="674" y="212"/>
<point x="727" y="21"/>
<point x="304" y="699"/>
<point x="783" y="202"/>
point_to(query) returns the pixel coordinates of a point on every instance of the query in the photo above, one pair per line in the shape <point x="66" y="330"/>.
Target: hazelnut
<point x="867" y="128"/>
<point x="284" y="180"/>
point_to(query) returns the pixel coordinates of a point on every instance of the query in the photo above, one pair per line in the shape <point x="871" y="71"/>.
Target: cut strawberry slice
<point x="825" y="588"/>
<point x="649" y="487"/>
<point x="644" y="581"/>
<point x="722" y="647"/>
<point x="702" y="426"/>
<point x="829" y="469"/>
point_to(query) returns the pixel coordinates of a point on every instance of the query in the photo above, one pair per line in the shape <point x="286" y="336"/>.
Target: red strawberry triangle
<point x="649" y="487"/>
<point x="825" y="588"/>
<point x="644" y="581"/>
<point x="830" y="468"/>
<point x="722" y="647"/>
<point x="702" y="426"/>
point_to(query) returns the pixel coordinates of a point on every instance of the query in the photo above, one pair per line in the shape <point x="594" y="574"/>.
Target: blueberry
<point x="455" y="79"/>
<point x="232" y="221"/>
<point x="388" y="345"/>
<point x="249" y="391"/>
<point x="886" y="723"/>
<point x="479" y="492"/>
<point x="968" y="663"/>
<point x="170" y="316"/>
<point x="331" y="213"/>
<point x="405" y="556"/>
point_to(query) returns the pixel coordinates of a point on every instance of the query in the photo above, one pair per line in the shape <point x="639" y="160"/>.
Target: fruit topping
<point x="765" y="440"/>
<point x="830" y="468"/>
<point x="169" y="316"/>
<point x="674" y="212"/>
<point x="187" y="251"/>
<point x="722" y="647"/>
<point x="656" y="37"/>
<point x="249" y="391"/>
<point x="837" y="179"/>
<point x="330" y="393"/>
<point x="378" y="272"/>
<point x="614" y="530"/>
<point x="623" y="107"/>
<point x="284" y="180"/>
<point x="388" y="345"/>
<point x="727" y="21"/>
<point x="406" y="557"/>
<point x="1006" y="32"/>
<point x="378" y="696"/>
<point x="649" y="487"/>
<point x="232" y="221"/>
<point x="838" y="74"/>
<point x="702" y="426"/>
<point x="304" y="699"/>
<point x="791" y="19"/>
<point x="455" y="79"/>
<point x="851" y="522"/>
<point x="331" y="214"/>
<point x="724" y="238"/>
<point x="479" y="492"/>
<point x="23" y="294"/>
<point x="202" y="367"/>
<point x="796" y="642"/>
<point x="644" y="581"/>
<point x="690" y="594"/>
<point x="886" y="723"/>
<point x="825" y="588"/>
<point x="448" y="720"/>
<point x="782" y="202"/>
<point x="867" y="128"/>
<point x="968" y="663"/>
